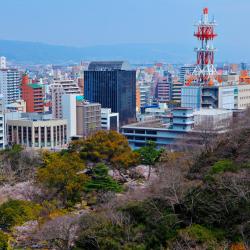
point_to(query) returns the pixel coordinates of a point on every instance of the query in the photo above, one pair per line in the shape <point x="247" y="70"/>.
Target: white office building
<point x="110" y="121"/>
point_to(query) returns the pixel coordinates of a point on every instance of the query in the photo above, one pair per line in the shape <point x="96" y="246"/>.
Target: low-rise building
<point x="163" y="134"/>
<point x="109" y="120"/>
<point x="37" y="131"/>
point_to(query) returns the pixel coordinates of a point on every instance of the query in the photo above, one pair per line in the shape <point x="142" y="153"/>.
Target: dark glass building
<point x="113" y="85"/>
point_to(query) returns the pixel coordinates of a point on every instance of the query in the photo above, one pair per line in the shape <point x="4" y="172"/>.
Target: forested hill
<point x="99" y="194"/>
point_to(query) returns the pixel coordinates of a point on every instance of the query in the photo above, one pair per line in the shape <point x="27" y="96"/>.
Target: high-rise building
<point x="32" y="94"/>
<point x="68" y="112"/>
<point x="10" y="85"/>
<point x="57" y="89"/>
<point x="113" y="85"/>
<point x="176" y="90"/>
<point x="164" y="90"/>
<point x="88" y="118"/>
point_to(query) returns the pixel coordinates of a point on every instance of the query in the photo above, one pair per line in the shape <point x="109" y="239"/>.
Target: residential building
<point x="69" y="86"/>
<point x="164" y="90"/>
<point x="176" y="90"/>
<point x="113" y="85"/>
<point x="10" y="85"/>
<point x="109" y="120"/>
<point x="57" y="89"/>
<point x="88" y="118"/>
<point x="35" y="131"/>
<point x="68" y="109"/>
<point x="145" y="94"/>
<point x="32" y="94"/>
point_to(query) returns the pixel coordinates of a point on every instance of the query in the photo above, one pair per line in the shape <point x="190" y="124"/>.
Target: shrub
<point x="16" y="212"/>
<point x="223" y="166"/>
<point x="101" y="181"/>
<point x="3" y="241"/>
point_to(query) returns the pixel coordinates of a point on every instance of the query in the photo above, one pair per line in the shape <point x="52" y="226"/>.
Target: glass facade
<point x="115" y="89"/>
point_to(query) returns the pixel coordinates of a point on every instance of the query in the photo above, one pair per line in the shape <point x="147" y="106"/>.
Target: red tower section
<point x="205" y="33"/>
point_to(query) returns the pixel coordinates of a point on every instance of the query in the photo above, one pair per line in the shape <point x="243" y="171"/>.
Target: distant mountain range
<point x="40" y="53"/>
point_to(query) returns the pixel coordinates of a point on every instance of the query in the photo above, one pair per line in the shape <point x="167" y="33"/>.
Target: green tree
<point x="101" y="181"/>
<point x="149" y="155"/>
<point x="108" y="147"/>
<point x="62" y="175"/>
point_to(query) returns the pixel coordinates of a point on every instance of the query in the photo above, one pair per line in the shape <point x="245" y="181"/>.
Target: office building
<point x="109" y="120"/>
<point x="33" y="95"/>
<point x="10" y="85"/>
<point x="113" y="85"/>
<point x="186" y="71"/>
<point x="217" y="96"/>
<point x="163" y="134"/>
<point x="35" y="131"/>
<point x="88" y="118"/>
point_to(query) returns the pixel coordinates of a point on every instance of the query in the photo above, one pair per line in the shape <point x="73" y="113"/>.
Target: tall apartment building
<point x="88" y="118"/>
<point x="176" y="89"/>
<point x="33" y="95"/>
<point x="164" y="90"/>
<point x="10" y="85"/>
<point x="57" y="89"/>
<point x="113" y="85"/>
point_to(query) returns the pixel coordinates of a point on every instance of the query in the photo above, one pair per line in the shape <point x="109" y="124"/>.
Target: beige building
<point x="34" y="133"/>
<point x="57" y="89"/>
<point x="243" y="96"/>
<point x="88" y="118"/>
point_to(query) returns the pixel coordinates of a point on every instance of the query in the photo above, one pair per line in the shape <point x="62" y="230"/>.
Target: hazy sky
<point x="98" y="22"/>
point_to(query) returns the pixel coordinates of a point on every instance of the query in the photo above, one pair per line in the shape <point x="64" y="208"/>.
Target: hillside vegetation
<point x="94" y="196"/>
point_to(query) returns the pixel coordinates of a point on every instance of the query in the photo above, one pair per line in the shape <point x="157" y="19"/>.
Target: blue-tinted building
<point x="113" y="85"/>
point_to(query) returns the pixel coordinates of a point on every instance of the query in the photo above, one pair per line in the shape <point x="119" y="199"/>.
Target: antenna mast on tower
<point x="205" y="33"/>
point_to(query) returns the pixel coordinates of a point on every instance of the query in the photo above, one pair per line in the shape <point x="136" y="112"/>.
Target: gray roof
<point x="108" y="65"/>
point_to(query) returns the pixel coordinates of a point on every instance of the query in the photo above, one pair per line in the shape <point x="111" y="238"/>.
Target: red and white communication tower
<point x="205" y="71"/>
